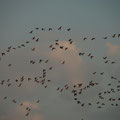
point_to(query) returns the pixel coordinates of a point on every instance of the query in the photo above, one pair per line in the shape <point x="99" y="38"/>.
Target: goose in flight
<point x="14" y="101"/>
<point x="27" y="114"/>
<point x="42" y="29"/>
<point x="91" y="57"/>
<point x="92" y="38"/>
<point x="50" y="46"/>
<point x="46" y="61"/>
<point x="56" y="43"/>
<point x="9" y="65"/>
<point x="113" y="35"/>
<point x="112" y="62"/>
<point x="22" y="45"/>
<point x="68" y="29"/>
<point x="75" y="98"/>
<point x="101" y="73"/>
<point x="9" y="47"/>
<point x="89" y="54"/>
<point x="38" y="101"/>
<point x="53" y="48"/>
<point x="105" y="37"/>
<point x="118" y="35"/>
<point x="21" y="104"/>
<point x="40" y="60"/>
<point x="27" y="42"/>
<point x="78" y="102"/>
<point x="66" y="48"/>
<point x="5" y="98"/>
<point x="70" y="40"/>
<point x="37" y="39"/>
<point x="31" y="32"/>
<point x="37" y="28"/>
<point x="50" y="29"/>
<point x="84" y="38"/>
<point x="81" y="54"/>
<point x="105" y="57"/>
<point x="61" y="47"/>
<point x="60" y="28"/>
<point x="106" y="61"/>
<point x="33" y="38"/>
<point x="63" y="62"/>
<point x="3" y="54"/>
<point x="33" y="49"/>
<point x="50" y="68"/>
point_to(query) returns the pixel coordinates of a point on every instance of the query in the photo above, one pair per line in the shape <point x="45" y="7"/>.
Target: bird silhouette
<point x="33" y="49"/>
<point x="61" y="47"/>
<point x="9" y="65"/>
<point x="50" y="29"/>
<point x="37" y="28"/>
<point x="68" y="29"/>
<point x="105" y="57"/>
<point x="5" y="98"/>
<point x="113" y="35"/>
<point x="60" y="28"/>
<point x="33" y="38"/>
<point x="101" y="73"/>
<point x="118" y="35"/>
<point x="105" y="37"/>
<point x="63" y="62"/>
<point x="112" y="62"/>
<point x="92" y="38"/>
<point x="50" y="46"/>
<point x="50" y="68"/>
<point x="85" y="38"/>
<point x="27" y="114"/>
<point x="38" y="101"/>
<point x="106" y="61"/>
<point x="14" y="101"/>
<point x="42" y="29"/>
<point x="37" y="39"/>
<point x="31" y="32"/>
<point x="3" y="54"/>
<point x="27" y="42"/>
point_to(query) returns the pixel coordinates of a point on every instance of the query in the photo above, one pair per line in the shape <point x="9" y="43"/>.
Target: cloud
<point x="113" y="49"/>
<point x="37" y="117"/>
<point x="73" y="62"/>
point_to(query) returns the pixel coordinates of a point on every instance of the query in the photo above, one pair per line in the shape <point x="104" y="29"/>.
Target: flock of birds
<point x="77" y="89"/>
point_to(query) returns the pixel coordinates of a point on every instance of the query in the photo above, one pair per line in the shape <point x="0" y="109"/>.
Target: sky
<point x="86" y="18"/>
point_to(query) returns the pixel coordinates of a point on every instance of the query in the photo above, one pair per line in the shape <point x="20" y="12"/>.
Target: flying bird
<point x="33" y="49"/>
<point x="92" y="38"/>
<point x="60" y="28"/>
<point x="9" y="65"/>
<point x="68" y="29"/>
<point x="105" y="37"/>
<point x="113" y="35"/>
<point x="50" y="29"/>
<point x="31" y="32"/>
<point x="37" y="28"/>
<point x="118" y="35"/>
<point x="84" y="38"/>
<point x="42" y="29"/>
<point x="38" y="101"/>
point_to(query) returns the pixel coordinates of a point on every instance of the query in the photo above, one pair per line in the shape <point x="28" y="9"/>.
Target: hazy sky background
<point x="86" y="18"/>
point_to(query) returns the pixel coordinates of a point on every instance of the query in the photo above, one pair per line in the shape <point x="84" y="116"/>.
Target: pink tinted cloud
<point x="112" y="49"/>
<point x="73" y="62"/>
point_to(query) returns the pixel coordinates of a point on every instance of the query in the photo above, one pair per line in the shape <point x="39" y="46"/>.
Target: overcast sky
<point x="86" y="18"/>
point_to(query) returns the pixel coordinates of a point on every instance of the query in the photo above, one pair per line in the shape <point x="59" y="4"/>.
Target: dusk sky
<point x="87" y="19"/>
